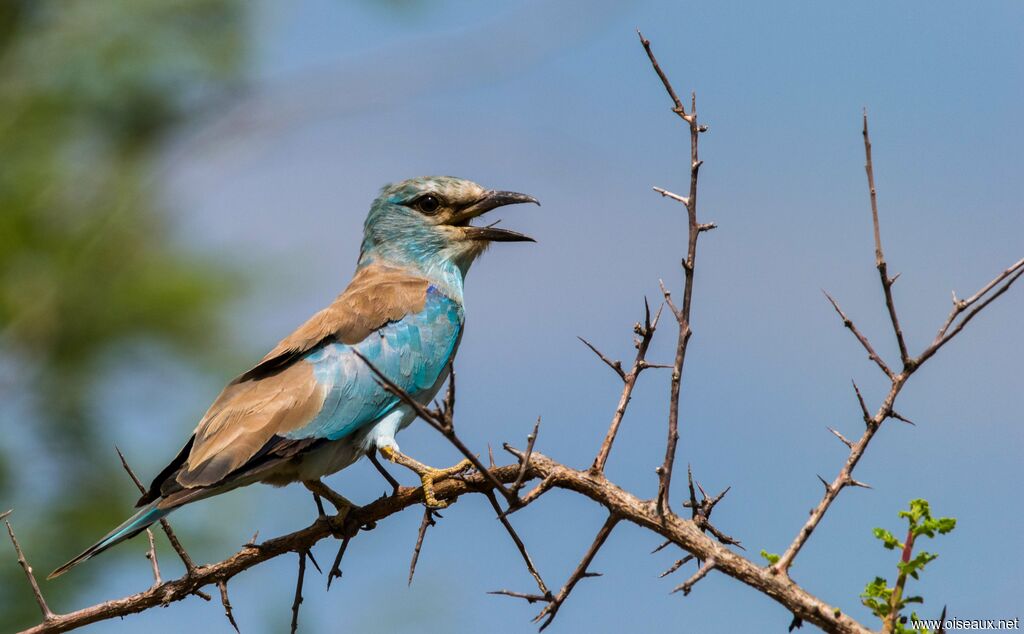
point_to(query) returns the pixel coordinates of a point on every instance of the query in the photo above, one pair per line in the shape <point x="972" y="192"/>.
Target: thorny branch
<point x="880" y="264"/>
<point x="223" y="587"/>
<point x="682" y="313"/>
<point x="963" y="311"/>
<point x="428" y="520"/>
<point x="503" y="518"/>
<point x="581" y="572"/>
<point x="711" y="552"/>
<point x="298" y="591"/>
<point x="48" y="615"/>
<point x="644" y="333"/>
<point x="701" y="511"/>
<point x="860" y="337"/>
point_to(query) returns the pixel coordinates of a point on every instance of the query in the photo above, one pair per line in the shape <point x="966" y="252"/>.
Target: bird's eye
<point x="428" y="204"/>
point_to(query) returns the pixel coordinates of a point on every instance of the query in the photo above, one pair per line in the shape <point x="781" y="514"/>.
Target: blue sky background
<point x="558" y="100"/>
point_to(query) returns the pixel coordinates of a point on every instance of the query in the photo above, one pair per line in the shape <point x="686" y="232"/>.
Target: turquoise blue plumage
<point x="312" y="406"/>
<point x="415" y="349"/>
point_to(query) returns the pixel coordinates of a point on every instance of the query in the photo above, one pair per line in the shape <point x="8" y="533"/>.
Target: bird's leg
<point x="428" y="475"/>
<point x="319" y="506"/>
<point x="384" y="472"/>
<point x="340" y="502"/>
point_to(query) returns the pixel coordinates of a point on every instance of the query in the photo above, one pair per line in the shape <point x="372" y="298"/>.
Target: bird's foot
<point x="428" y="475"/>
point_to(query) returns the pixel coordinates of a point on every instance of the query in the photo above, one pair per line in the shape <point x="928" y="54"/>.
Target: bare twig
<point x="677" y="105"/>
<point x="542" y="487"/>
<point x="845" y="476"/>
<point x="860" y="337"/>
<point x="151" y="556"/>
<point x="644" y="333"/>
<point x="682" y="314"/>
<point x="665" y="544"/>
<point x="616" y="365"/>
<point x="701" y="511"/>
<point x="902" y="419"/>
<point x="223" y="587"/>
<point x="880" y="263"/>
<point x="581" y="572"/>
<point x="676" y="197"/>
<point x="702" y="572"/>
<point x="842" y="438"/>
<point x="525" y="466"/>
<point x="519" y="544"/>
<point x="48" y="615"/>
<point x="298" y="592"/>
<point x="428" y="520"/>
<point x="312" y="560"/>
<point x="965" y="310"/>
<point x="868" y="420"/>
<point x="942" y="622"/>
<point x="335" y="571"/>
<point x="676" y="566"/>
<point x="960" y="307"/>
<point x="529" y="598"/>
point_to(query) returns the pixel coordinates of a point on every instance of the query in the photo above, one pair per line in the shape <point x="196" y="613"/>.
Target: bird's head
<point x="425" y="222"/>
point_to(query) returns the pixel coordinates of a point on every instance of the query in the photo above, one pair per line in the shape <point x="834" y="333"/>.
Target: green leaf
<point x="919" y="509"/>
<point x="887" y="538"/>
<point x="919" y="561"/>
<point x="876" y="597"/>
<point x="772" y="558"/>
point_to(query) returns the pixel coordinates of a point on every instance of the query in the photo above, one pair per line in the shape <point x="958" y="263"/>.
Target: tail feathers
<point x="132" y="527"/>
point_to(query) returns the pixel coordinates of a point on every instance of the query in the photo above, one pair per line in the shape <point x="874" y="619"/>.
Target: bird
<point x="314" y="405"/>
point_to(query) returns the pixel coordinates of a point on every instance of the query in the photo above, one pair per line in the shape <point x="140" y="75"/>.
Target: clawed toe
<point x="434" y="476"/>
<point x="429" y="476"/>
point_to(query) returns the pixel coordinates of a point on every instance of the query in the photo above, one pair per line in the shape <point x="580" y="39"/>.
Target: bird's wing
<point x="245" y="418"/>
<point x="271" y="408"/>
<point x="375" y="296"/>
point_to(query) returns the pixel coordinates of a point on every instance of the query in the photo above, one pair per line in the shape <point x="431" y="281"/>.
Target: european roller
<point x="312" y="406"/>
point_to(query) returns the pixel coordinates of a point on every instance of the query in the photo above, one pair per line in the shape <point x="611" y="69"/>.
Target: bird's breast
<point x="413" y="352"/>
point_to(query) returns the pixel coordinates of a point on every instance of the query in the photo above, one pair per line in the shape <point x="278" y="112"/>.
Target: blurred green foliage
<point x="89" y="92"/>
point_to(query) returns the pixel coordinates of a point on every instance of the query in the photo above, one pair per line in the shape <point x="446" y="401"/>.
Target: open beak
<point x="493" y="200"/>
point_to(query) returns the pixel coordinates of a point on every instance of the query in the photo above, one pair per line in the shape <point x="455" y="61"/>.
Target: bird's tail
<point x="133" y="526"/>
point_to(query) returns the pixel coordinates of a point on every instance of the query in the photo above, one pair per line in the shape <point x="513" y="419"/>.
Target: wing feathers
<point x="245" y="417"/>
<point x="281" y="393"/>
<point x="376" y="296"/>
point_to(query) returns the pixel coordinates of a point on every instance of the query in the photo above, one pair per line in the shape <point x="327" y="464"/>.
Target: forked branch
<point x="963" y="311"/>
